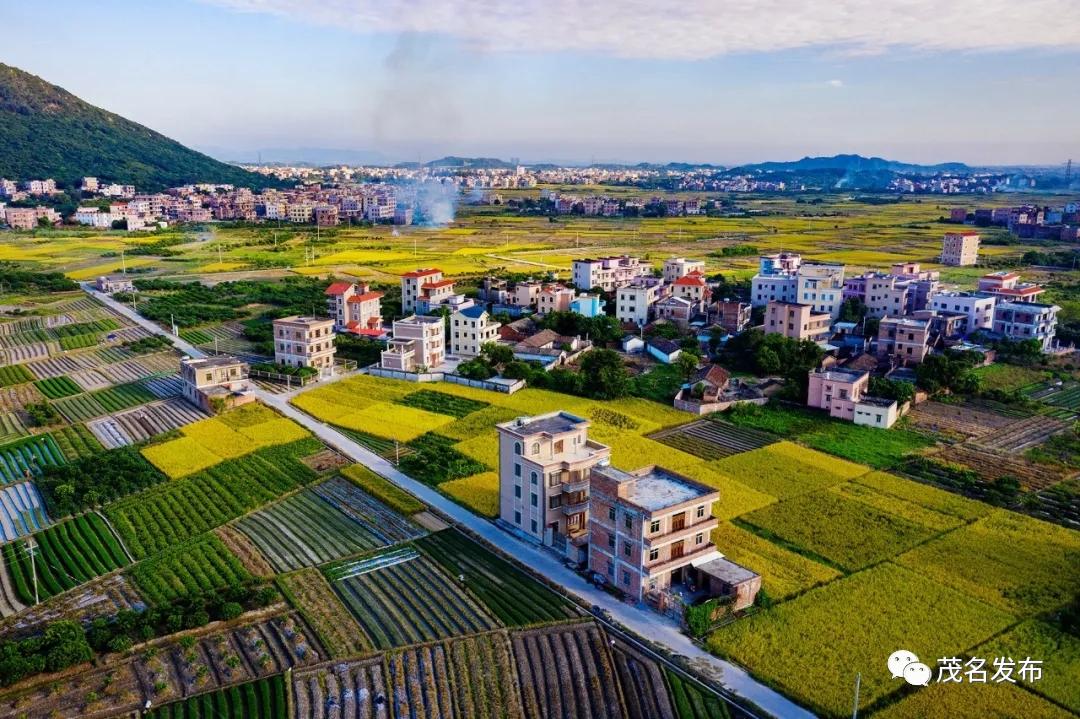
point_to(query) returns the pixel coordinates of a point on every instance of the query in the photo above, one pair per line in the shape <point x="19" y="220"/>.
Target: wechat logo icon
<point x="904" y="664"/>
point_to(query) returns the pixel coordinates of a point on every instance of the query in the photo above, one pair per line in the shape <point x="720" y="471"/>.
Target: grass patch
<point x="783" y="573"/>
<point x="382" y="489"/>
<point x="441" y="403"/>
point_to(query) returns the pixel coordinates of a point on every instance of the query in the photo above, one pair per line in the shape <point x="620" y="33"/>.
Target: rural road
<point x="645" y="623"/>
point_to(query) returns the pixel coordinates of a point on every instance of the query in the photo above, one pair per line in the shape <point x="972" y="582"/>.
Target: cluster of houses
<point x="603" y="206"/>
<point x="1025" y="221"/>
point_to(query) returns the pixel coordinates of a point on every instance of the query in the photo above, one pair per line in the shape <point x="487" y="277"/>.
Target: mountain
<point x="45" y="131"/>
<point x="483" y="163"/>
<point x="851" y="164"/>
<point x="298" y="156"/>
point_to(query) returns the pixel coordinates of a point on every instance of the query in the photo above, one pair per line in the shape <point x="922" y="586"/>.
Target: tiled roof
<point x="365" y="297"/>
<point x="338" y="288"/>
<point x="423" y="272"/>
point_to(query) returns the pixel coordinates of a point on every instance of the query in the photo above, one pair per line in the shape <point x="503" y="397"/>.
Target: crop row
<point x="441" y="403"/>
<point x="76" y="442"/>
<point x="264" y="698"/>
<point x="195" y="567"/>
<point x="14" y="374"/>
<point x="57" y="387"/>
<point x="21" y="511"/>
<point x="66" y="555"/>
<point x="310" y="593"/>
<point x="511" y="595"/>
<point x="104" y="401"/>
<point x="175" y="511"/>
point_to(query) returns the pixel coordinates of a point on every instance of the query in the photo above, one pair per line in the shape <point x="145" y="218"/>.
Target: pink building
<point x="906" y="341"/>
<point x="797" y="321"/>
<point x="554" y="299"/>
<point x="837" y="390"/>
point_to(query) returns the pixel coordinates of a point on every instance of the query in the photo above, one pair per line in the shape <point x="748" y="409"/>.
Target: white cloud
<point x="698" y="29"/>
<point x="835" y="83"/>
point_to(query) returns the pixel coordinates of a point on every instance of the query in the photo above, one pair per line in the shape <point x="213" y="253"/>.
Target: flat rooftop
<point x="654" y="488"/>
<point x="877" y="401"/>
<point x="213" y="361"/>
<point x="554" y="423"/>
<point x="727" y="571"/>
<point x="840" y="375"/>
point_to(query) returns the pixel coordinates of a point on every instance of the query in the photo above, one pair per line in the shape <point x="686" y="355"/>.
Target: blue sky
<point x="982" y="81"/>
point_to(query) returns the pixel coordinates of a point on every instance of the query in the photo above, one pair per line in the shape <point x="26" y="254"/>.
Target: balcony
<point x="576" y="507"/>
<point x="661" y="566"/>
<point x="706" y="525"/>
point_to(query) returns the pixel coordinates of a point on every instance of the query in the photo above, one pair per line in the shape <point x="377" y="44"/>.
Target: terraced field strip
<point x="22" y="511"/>
<point x="642" y="681"/>
<point x="67" y="554"/>
<point x="310" y="593"/>
<point x="200" y="565"/>
<point x="410" y="602"/>
<point x="264" y="698"/>
<point x="713" y="439"/>
<point x="303" y="531"/>
<point x="515" y="598"/>
<point x="58" y="387"/>
<point x="1021" y="434"/>
<point x="960" y="419"/>
<point x="9" y="601"/>
<point x="111" y="399"/>
<point x="566" y="672"/>
<point x="89" y="379"/>
<point x="25" y="457"/>
<point x="98" y="598"/>
<point x="142" y="423"/>
<point x="14" y="374"/>
<point x="19" y="354"/>
<point x="11" y="426"/>
<point x="76" y="442"/>
<point x="352" y="690"/>
<point x="992" y="465"/>
<point x="367" y="511"/>
<point x="64" y="364"/>
<point x="17" y="397"/>
<point x="165" y="386"/>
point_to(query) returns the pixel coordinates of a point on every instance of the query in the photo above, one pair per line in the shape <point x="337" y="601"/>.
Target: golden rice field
<point x="856" y="563"/>
<point x="210" y="441"/>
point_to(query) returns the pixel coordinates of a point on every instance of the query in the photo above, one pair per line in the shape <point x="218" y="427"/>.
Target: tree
<point x="497" y="354"/>
<point x="892" y="389"/>
<point x="950" y="371"/>
<point x="687" y="365"/>
<point x="852" y="309"/>
<point x="475" y="368"/>
<point x="603" y="375"/>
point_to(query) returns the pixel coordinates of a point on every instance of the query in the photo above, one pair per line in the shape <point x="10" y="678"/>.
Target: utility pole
<point x="123" y="262"/>
<point x="31" y="546"/>
<point x="855" y="709"/>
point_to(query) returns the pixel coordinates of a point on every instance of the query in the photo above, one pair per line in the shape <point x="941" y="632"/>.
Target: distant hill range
<point x="451" y="162"/>
<point x="851" y="163"/>
<point x="45" y="131"/>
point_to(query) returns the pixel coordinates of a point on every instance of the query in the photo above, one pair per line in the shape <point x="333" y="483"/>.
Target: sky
<point x="720" y="81"/>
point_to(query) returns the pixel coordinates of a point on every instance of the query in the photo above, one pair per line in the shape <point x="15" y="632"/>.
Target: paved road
<point x="645" y="623"/>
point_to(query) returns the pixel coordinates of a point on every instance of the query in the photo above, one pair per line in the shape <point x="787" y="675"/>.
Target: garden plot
<point x="249" y="555"/>
<point x="11" y="426"/>
<point x="164" y="387"/>
<point x="642" y="682"/>
<point x="991" y="466"/>
<point x="61" y="365"/>
<point x="128" y="371"/>
<point x="117" y="686"/>
<point x="1021" y="435"/>
<point x="25" y="457"/>
<point x="956" y="419"/>
<point x="129" y="334"/>
<point x="1065" y="395"/>
<point x="142" y="423"/>
<point x="338" y="632"/>
<point x="512" y="596"/>
<point x="15" y="398"/>
<point x="112" y="399"/>
<point x="409" y="602"/>
<point x="12" y="374"/>
<point x="353" y="690"/>
<point x="89" y="379"/>
<point x="9" y="599"/>
<point x="101" y="598"/>
<point x="566" y="672"/>
<point x="713" y="439"/>
<point x="262" y="698"/>
<point x="21" y="511"/>
<point x="23" y="353"/>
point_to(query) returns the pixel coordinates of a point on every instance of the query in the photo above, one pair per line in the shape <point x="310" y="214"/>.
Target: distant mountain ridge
<point x="45" y="131"/>
<point x="851" y="163"/>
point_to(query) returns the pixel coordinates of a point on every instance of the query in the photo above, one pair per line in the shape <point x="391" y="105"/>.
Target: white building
<point x="978" y="308"/>
<point x="633" y="303"/>
<point x="1027" y="321"/>
<point x="607" y="273"/>
<point x="676" y="267"/>
<point x="418" y="343"/>
<point x="304" y="342"/>
<point x="93" y="217"/>
<point x="960" y="249"/>
<point x="470" y="330"/>
<point x="821" y="287"/>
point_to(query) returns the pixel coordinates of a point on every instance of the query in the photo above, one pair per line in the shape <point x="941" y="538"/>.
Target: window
<point x="699" y="538"/>
<point x="517" y="491"/>
<point x="533" y="500"/>
<point x="517" y="470"/>
<point x="610" y="569"/>
<point x="611" y="513"/>
<point x="701" y="511"/>
<point x="517" y="517"/>
<point x="628" y="521"/>
<point x="517" y="447"/>
<point x="626" y="578"/>
<point x="559" y="446"/>
<point x="654" y="554"/>
<point x="536" y="448"/>
<point x="534" y="526"/>
<point x="611" y="541"/>
<point x="626" y="548"/>
<point x="555" y="502"/>
<point x="534" y="478"/>
<point x="654" y="526"/>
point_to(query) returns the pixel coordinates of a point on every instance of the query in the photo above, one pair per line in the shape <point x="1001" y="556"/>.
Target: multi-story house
<point x="1027" y="321"/>
<point x="607" y="273"/>
<point x="545" y="463"/>
<point x="648" y="527"/>
<point x="215" y="383"/>
<point x="692" y="288"/>
<point x="326" y="215"/>
<point x="1007" y="286"/>
<point x="776" y="279"/>
<point x="412" y="284"/>
<point x="633" y="303"/>
<point x="977" y="308"/>
<point x="304" y="342"/>
<point x="300" y="213"/>
<point x="904" y="340"/>
<point x="821" y="287"/>
<point x="837" y="390"/>
<point x="797" y="321"/>
<point x="470" y="330"/>
<point x="732" y="315"/>
<point x="114" y="283"/>
<point x="355" y="308"/>
<point x="554" y="299"/>
<point x="960" y="249"/>
<point x="587" y="305"/>
<point x="93" y="217"/>
<point x="418" y="342"/>
<point x="676" y="267"/>
<point x="526" y="293"/>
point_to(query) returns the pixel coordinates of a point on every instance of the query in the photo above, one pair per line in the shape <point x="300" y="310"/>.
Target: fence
<point x="503" y="386"/>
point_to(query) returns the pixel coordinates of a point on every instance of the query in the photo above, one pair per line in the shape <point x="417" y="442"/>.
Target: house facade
<point x="304" y="342"/>
<point x="960" y="249"/>
<point x="470" y="330"/>
<point x="797" y="321"/>
<point x="215" y="383"/>
<point x="417" y="342"/>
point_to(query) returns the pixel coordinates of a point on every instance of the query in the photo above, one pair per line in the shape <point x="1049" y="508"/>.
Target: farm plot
<point x="785" y="470"/>
<point x="22" y="353"/>
<point x="11" y="426"/>
<point x="249" y="555"/>
<point x="89" y="379"/>
<point x="713" y="439"/>
<point x="142" y="423"/>
<point x="14" y="374"/>
<point x="67" y="554"/>
<point x="642" y="682"/>
<point x="9" y="601"/>
<point x="305" y="530"/>
<point x="76" y="442"/>
<point x="15" y="398"/>
<point x="352" y="690"/>
<point x="63" y="364"/>
<point x="195" y="567"/>
<point x="164" y="387"/>
<point x="409" y="602"/>
<point x="21" y="511"/>
<point x="512" y="596"/>
<point x="57" y="387"/>
<point x="25" y="457"/>
<point x="957" y="420"/>
<point x="100" y="598"/>
<point x="441" y="403"/>
<point x="172" y="512"/>
<point x="308" y="591"/>
<point x="262" y="698"/>
<point x="1021" y="435"/>
<point x="566" y="672"/>
<point x="693" y="703"/>
<point x="1066" y="395"/>
<point x="783" y="572"/>
<point x="847" y="533"/>
<point x="117" y="687"/>
<point x="991" y="466"/>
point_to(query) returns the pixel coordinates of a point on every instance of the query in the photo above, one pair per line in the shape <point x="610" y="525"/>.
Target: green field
<point x="194" y="567"/>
